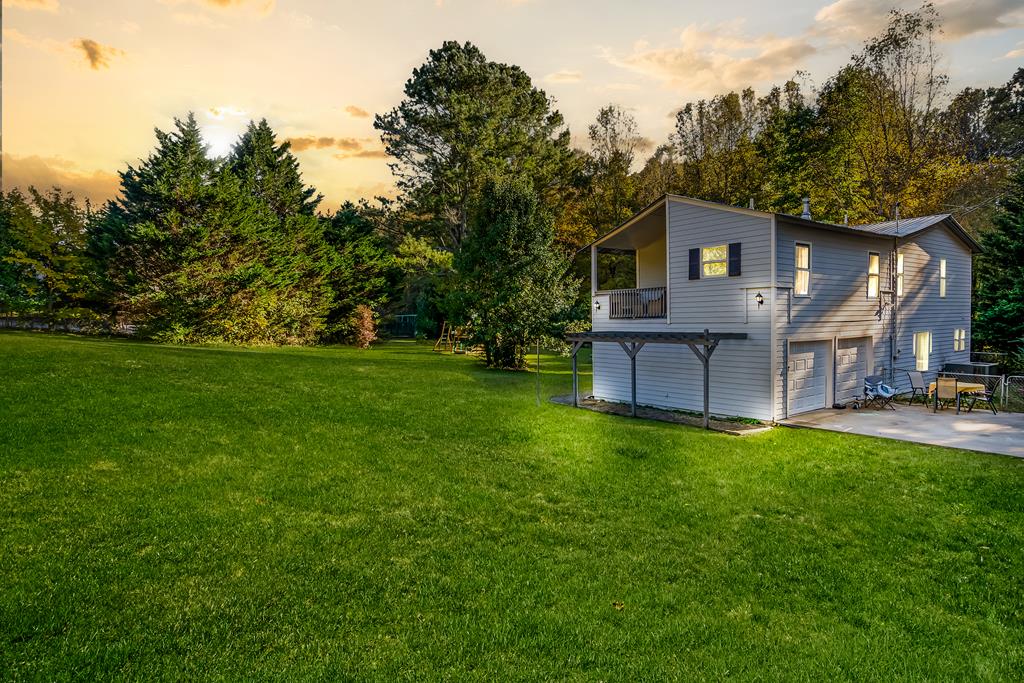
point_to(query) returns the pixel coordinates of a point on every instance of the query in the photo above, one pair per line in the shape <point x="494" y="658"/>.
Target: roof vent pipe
<point x="806" y="215"/>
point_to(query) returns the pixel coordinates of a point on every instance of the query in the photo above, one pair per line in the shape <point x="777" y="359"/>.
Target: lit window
<point x="802" y="282"/>
<point x="872" y="275"/>
<point x="713" y="261"/>
<point x="899" y="274"/>
<point x="922" y="347"/>
<point x="959" y="340"/>
<point x="942" y="277"/>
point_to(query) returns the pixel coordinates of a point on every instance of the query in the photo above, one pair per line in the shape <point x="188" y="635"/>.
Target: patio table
<point x="961" y="387"/>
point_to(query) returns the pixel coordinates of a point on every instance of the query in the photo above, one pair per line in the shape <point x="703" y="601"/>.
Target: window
<point x="922" y="347"/>
<point x="802" y="281"/>
<point x="959" y="340"/>
<point x="942" y="278"/>
<point x="899" y="274"/>
<point x="872" y="275"/>
<point x="713" y="261"/>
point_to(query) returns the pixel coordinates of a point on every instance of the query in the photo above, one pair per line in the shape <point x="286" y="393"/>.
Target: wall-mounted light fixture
<point x="597" y="304"/>
<point x="759" y="299"/>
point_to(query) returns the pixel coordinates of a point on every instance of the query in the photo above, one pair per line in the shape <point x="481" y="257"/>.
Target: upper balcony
<point x="630" y="267"/>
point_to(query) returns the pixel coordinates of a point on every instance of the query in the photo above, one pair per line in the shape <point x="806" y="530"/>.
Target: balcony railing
<point x="648" y="302"/>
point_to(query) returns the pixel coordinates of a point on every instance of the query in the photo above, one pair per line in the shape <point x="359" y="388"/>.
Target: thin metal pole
<point x="575" y="380"/>
<point x="538" y="372"/>
<point x="632" y="378"/>
<point x="707" y="388"/>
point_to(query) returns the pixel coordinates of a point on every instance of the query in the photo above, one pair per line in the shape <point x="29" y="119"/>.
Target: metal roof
<point x="904" y="226"/>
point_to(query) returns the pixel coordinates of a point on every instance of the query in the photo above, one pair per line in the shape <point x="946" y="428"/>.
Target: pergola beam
<point x="703" y="344"/>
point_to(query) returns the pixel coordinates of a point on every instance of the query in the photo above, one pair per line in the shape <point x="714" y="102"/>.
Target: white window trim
<point x="725" y="261"/>
<point x="960" y="339"/>
<point x="877" y="275"/>
<point x="899" y="273"/>
<point x="809" y="269"/>
<point x="942" y="278"/>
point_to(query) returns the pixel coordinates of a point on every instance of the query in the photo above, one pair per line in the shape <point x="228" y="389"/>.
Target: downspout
<point x="894" y="318"/>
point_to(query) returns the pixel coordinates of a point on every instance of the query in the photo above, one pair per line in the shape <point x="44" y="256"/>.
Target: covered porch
<point x="702" y="344"/>
<point x="629" y="267"/>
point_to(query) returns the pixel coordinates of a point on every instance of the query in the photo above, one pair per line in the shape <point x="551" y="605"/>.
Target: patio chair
<point x="983" y="396"/>
<point x="917" y="387"/>
<point x="946" y="393"/>
<point x="877" y="393"/>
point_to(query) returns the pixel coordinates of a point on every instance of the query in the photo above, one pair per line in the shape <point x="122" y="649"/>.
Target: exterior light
<point x="759" y="299"/>
<point x="597" y="304"/>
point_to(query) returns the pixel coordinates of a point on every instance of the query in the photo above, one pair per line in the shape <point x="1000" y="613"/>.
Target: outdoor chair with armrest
<point x="983" y="396"/>
<point x="946" y="393"/>
<point x="877" y="393"/>
<point x="917" y="387"/>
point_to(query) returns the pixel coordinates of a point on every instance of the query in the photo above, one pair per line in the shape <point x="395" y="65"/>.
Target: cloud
<point x="96" y="54"/>
<point x="225" y="111"/>
<point x="1015" y="53"/>
<point x="363" y="154"/>
<point x="260" y="8"/>
<point x="715" y="57"/>
<point x="47" y="172"/>
<point x="564" y="76"/>
<point x="855" y="20"/>
<point x="356" y="112"/>
<point x="43" y="5"/>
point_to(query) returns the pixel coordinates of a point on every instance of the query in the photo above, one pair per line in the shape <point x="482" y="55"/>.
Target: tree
<point x="42" y="259"/>
<point x="270" y="172"/>
<point x="614" y="142"/>
<point x="465" y="120"/>
<point x="365" y="273"/>
<point x="511" y="281"/>
<point x="999" y="290"/>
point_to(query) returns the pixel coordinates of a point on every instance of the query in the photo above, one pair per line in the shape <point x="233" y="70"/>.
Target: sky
<point x="85" y="82"/>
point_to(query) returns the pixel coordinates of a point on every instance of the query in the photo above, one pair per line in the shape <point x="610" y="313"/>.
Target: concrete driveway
<point x="979" y="430"/>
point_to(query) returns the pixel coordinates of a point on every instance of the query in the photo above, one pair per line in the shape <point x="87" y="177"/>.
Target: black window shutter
<point x="695" y="264"/>
<point x="734" y="259"/>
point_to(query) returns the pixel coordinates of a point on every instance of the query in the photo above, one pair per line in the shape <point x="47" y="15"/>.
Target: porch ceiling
<point x="639" y="234"/>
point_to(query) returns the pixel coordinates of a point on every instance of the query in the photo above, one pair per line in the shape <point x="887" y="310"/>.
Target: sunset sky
<point x="86" y="81"/>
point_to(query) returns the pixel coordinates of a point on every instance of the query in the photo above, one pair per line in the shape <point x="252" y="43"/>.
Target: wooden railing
<point x="648" y="302"/>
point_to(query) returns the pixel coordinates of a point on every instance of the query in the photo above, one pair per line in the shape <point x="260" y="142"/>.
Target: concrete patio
<point x="979" y="430"/>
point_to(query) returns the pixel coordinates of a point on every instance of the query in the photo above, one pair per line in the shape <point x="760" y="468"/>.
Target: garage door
<point x="808" y="368"/>
<point x="851" y="367"/>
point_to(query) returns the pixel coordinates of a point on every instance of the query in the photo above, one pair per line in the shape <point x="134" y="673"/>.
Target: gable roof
<point x="903" y="228"/>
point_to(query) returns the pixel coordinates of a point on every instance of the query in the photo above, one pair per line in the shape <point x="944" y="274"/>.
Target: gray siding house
<point x="822" y="305"/>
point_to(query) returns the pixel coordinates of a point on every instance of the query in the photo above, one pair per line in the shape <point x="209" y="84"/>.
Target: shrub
<point x="364" y="327"/>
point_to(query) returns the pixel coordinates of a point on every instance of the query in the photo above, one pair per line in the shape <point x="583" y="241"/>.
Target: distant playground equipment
<point x="454" y="339"/>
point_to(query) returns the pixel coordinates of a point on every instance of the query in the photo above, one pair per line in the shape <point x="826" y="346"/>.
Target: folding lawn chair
<point x="877" y="393"/>
<point x="917" y="387"/>
<point x="946" y="393"/>
<point x="983" y="396"/>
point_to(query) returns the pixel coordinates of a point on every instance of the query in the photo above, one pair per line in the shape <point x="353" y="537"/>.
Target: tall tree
<point x="614" y="143"/>
<point x="42" y="252"/>
<point x="512" y="283"/>
<point x="465" y="119"/>
<point x="270" y="172"/>
<point x="999" y="292"/>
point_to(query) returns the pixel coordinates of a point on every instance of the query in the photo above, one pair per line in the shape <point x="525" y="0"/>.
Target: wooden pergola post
<point x="705" y="359"/>
<point x="631" y="349"/>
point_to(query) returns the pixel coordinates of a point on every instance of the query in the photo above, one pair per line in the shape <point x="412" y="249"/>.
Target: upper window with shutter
<point x="713" y="261"/>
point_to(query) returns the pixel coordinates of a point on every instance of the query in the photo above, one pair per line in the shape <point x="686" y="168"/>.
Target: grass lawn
<point x="173" y="513"/>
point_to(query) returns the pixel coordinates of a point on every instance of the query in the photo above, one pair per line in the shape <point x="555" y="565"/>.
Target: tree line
<point x="495" y="201"/>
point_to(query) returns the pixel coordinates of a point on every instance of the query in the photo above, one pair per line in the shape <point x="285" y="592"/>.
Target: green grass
<point x="173" y="513"/>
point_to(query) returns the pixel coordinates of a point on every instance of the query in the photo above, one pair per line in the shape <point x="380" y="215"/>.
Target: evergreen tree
<point x="999" y="275"/>
<point x="270" y="172"/>
<point x="511" y="280"/>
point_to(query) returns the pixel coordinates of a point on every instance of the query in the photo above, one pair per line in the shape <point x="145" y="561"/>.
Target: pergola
<point x="703" y="344"/>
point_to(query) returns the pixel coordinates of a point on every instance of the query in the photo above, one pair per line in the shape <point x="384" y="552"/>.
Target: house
<point x="807" y="308"/>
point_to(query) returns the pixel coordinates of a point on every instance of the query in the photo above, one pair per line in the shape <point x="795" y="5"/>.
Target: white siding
<point x="670" y="375"/>
<point x="921" y="308"/>
<point x="838" y="306"/>
<point x="651" y="265"/>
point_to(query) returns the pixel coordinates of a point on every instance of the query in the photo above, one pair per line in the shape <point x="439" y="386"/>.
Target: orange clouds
<point x="351" y="148"/>
<point x="44" y="5"/>
<point x="356" y="112"/>
<point x="97" y="54"/>
<point x="46" y="172"/>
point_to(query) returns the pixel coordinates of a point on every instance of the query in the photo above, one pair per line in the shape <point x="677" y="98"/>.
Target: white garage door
<point x="851" y="367"/>
<point x="808" y="368"/>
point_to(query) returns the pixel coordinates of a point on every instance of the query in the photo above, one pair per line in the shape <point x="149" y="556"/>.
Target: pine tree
<point x="270" y="172"/>
<point x="999" y="269"/>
